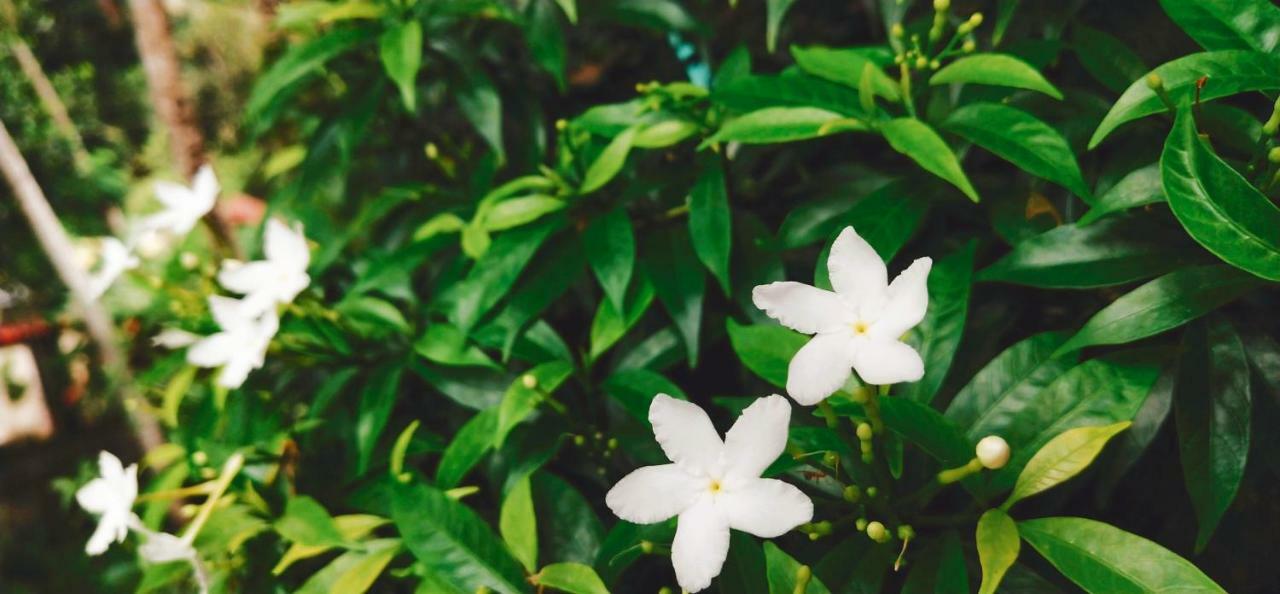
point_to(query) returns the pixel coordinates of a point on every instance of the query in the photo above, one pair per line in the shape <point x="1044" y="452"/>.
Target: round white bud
<point x="993" y="452"/>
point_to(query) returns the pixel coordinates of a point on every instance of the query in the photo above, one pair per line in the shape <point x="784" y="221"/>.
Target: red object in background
<point x="22" y="331"/>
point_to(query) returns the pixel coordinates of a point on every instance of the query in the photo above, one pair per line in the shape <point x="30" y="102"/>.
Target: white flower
<point x="113" y="259"/>
<point x="174" y="338"/>
<point x="162" y="547"/>
<point x="183" y="206"/>
<point x="110" y="496"/>
<point x="712" y="485"/>
<point x="859" y="325"/>
<point x="992" y="452"/>
<point x="240" y="347"/>
<point x="279" y="278"/>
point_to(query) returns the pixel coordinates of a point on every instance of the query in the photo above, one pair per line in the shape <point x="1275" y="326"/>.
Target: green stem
<point x="904" y="81"/>
<point x="229" y="472"/>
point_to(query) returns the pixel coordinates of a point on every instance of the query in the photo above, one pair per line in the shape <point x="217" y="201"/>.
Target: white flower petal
<point x="653" y="494"/>
<point x="235" y="372"/>
<point x="229" y="313"/>
<point x="285" y="246"/>
<point x="247" y="277"/>
<point x="758" y="437"/>
<point x="213" y="351"/>
<point x="685" y="433"/>
<point x="700" y="546"/>
<point x="173" y="195"/>
<point x="907" y="302"/>
<point x="96" y="496"/>
<point x="174" y="338"/>
<point x="820" y="367"/>
<point x="102" y="537"/>
<point x="856" y="270"/>
<point x="204" y="190"/>
<point x="109" y="465"/>
<point x="882" y="362"/>
<point x="801" y="307"/>
<point x="162" y="547"/>
<point x="767" y="508"/>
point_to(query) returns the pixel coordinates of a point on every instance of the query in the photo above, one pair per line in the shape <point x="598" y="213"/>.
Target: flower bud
<point x="993" y="452"/>
<point x="921" y="63"/>
<point x="975" y="20"/>
<point x="1154" y="82"/>
<point x="897" y="31"/>
<point x="934" y="64"/>
<point x="906" y="532"/>
<point x="864" y="431"/>
<point x="831" y="459"/>
<point x="968" y="46"/>
<point x="646" y="547"/>
<point x="860" y="524"/>
<point x="871" y="491"/>
<point x="1274" y="155"/>
<point x="432" y="151"/>
<point x="852" y="493"/>
<point x="561" y="124"/>
<point x="189" y="260"/>
<point x="529" y="381"/>
<point x="200" y="458"/>
<point x="877" y="532"/>
<point x="941" y="5"/>
<point x="664" y="590"/>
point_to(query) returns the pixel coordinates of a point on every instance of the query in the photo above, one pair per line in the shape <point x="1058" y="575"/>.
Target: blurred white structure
<point x="23" y="412"/>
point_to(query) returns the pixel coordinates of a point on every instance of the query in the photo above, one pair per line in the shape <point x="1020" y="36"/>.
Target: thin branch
<point x="57" y="246"/>
<point x="51" y="101"/>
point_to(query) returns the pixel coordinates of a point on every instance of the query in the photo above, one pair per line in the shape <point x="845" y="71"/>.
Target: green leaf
<point x="1108" y="59"/>
<point x="1104" y="559"/>
<point x="452" y="541"/>
<point x="744" y="568"/>
<point x="355" y="571"/>
<point x="611" y="250"/>
<point x="570" y="8"/>
<point x="998" y="546"/>
<point x="376" y="402"/>
<point x="568" y="529"/>
<point x="1096" y="392"/>
<point x="775" y="11"/>
<point x="917" y="140"/>
<point x="520" y="211"/>
<point x="621" y="546"/>
<point x="1229" y="72"/>
<point x="1211" y="403"/>
<point x="709" y="221"/>
<point x="279" y="82"/>
<point x="446" y="345"/>
<point x="1162" y="304"/>
<point x="938" y="335"/>
<point x="353" y="528"/>
<point x="1008" y="383"/>
<point x="1219" y="208"/>
<point x="938" y="569"/>
<point x="1140" y="187"/>
<point x="845" y="66"/>
<point x="766" y="349"/>
<point x="609" y="325"/>
<point x="470" y="444"/>
<point x="789" y="89"/>
<point x="482" y="106"/>
<point x="609" y="163"/>
<point x="574" y="578"/>
<point x="679" y="282"/>
<point x="526" y="392"/>
<point x="925" y="427"/>
<point x="305" y="522"/>
<point x="1065" y="456"/>
<point x="551" y="275"/>
<point x="401" y="51"/>
<point x="635" y="389"/>
<point x="1001" y="70"/>
<point x="773" y="125"/>
<point x="519" y="525"/>
<point x="493" y="275"/>
<point x="781" y="570"/>
<point x="546" y="40"/>
<point x="1021" y="139"/>
<point x="1115" y="251"/>
<point x="1228" y="24"/>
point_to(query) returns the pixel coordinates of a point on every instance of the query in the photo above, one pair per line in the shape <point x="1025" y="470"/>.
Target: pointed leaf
<point x="1000" y="70"/>
<point x="917" y="140"/>
<point x="1063" y="457"/>
<point x="1021" y="139"/>
<point x="709" y="221"/>
<point x="998" y="546"/>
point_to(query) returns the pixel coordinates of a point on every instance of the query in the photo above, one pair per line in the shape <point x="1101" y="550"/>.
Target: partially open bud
<point x="993" y="452"/>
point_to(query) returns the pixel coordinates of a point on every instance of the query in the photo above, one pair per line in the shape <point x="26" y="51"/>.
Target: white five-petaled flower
<point x="113" y="259"/>
<point x="242" y="344"/>
<point x="276" y="280"/>
<point x="859" y="325"/>
<point x="111" y="496"/>
<point x="712" y="485"/>
<point x="183" y="206"/>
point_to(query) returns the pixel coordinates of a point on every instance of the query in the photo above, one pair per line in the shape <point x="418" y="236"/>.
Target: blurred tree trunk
<point x="173" y="105"/>
<point x="57" y="246"/>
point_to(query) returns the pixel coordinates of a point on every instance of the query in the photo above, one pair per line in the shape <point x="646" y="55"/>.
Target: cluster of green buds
<point x="919" y="55"/>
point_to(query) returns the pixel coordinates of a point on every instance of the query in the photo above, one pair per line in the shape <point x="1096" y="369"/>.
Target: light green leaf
<point x="846" y="66"/>
<point x="1104" y="559"/>
<point x="519" y="525"/>
<point x="480" y="102"/>
<point x="709" y="220"/>
<point x="1219" y="208"/>
<point x="570" y="8"/>
<point x="1001" y="70"/>
<point x="401" y="51"/>
<point x="917" y="140"/>
<point x="773" y="125"/>
<point x="1021" y="139"/>
<point x="526" y="392"/>
<point x="352" y="527"/>
<point x="306" y="522"/>
<point x="1228" y="24"/>
<point x="781" y="570"/>
<point x="1065" y="456"/>
<point x="775" y="11"/>
<point x="573" y="578"/>
<point x="1229" y="72"/>
<point x="446" y="345"/>
<point x="609" y="163"/>
<point x="470" y="444"/>
<point x="452" y="541"/>
<point x="998" y="547"/>
<point x="766" y="349"/>
<point x="1163" y="304"/>
<point x="520" y="211"/>
<point x="353" y="572"/>
<point x="664" y="133"/>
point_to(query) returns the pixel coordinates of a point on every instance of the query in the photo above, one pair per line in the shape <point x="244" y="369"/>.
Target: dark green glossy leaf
<point x="482" y="106"/>
<point x="938" y="335"/>
<point x="471" y="442"/>
<point x="1228" y="24"/>
<point x="1229" y="71"/>
<point x="679" y="282"/>
<point x="917" y="140"/>
<point x="744" y="569"/>
<point x="635" y="389"/>
<point x="1211" y="403"/>
<point x="1219" y="207"/>
<point x="766" y="349"/>
<point x="1104" y="559"/>
<point x="493" y="274"/>
<point x="611" y="249"/>
<point x="546" y="38"/>
<point x="376" y="401"/>
<point x="845" y="66"/>
<point x="1014" y="376"/>
<point x="446" y="345"/>
<point x="998" y="545"/>
<point x="568" y="529"/>
<point x="753" y="92"/>
<point x="926" y="428"/>
<point x="1114" y="251"/>
<point x="300" y="61"/>
<point x="938" y="569"/>
<point x="781" y="568"/>
<point x="1163" y="304"/>
<point x="1140" y="187"/>
<point x="526" y="392"/>
<point x="1000" y="70"/>
<point x="709" y="221"/>
<point x="1021" y="139"/>
<point x="452" y="541"/>
<point x="609" y="325"/>
<point x="1108" y="59"/>
<point x="772" y="125"/>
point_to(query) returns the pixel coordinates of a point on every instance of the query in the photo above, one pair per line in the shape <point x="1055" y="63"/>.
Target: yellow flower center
<point x="860" y="327"/>
<point x="714" y="487"/>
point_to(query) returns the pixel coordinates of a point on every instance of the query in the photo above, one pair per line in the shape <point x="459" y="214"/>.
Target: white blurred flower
<point x="111" y="497"/>
<point x="113" y="259"/>
<point x="859" y="325"/>
<point x="183" y="206"/>
<point x="712" y="485"/>
<point x="276" y="280"/>
<point x="162" y="547"/>
<point x="242" y="344"/>
<point x="173" y="338"/>
<point x="23" y="414"/>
